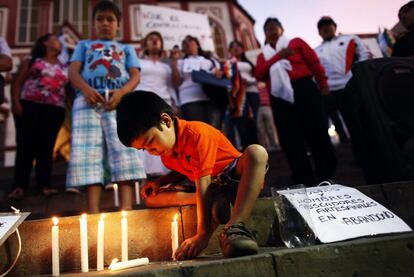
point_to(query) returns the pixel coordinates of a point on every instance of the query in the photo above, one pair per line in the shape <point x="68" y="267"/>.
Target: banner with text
<point x="175" y="24"/>
<point x="338" y="213"/>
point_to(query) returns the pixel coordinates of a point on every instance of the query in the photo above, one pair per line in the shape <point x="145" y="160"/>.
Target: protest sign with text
<point x="338" y="213"/>
<point x="174" y="25"/>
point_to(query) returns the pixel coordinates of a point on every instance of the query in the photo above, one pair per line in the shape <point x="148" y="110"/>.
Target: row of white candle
<point x="100" y="244"/>
<point x="116" y="194"/>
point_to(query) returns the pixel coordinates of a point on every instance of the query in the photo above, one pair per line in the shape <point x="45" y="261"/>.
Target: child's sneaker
<point x="237" y="240"/>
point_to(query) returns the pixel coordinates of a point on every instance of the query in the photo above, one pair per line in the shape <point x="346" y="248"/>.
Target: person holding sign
<point x="102" y="71"/>
<point x="204" y="155"/>
<point x="195" y="104"/>
<point x="155" y="76"/>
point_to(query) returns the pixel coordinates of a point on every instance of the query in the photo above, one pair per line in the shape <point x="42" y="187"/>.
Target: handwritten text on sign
<point x="338" y="213"/>
<point x="174" y="25"/>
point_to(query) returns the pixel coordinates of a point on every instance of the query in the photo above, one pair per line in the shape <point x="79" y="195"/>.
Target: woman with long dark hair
<point x="38" y="106"/>
<point x="195" y="104"/>
<point x="246" y="121"/>
<point x="155" y="77"/>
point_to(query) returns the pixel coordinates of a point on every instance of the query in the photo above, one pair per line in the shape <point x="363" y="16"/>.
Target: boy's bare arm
<point x="130" y="85"/>
<point x="193" y="246"/>
<point x="92" y="97"/>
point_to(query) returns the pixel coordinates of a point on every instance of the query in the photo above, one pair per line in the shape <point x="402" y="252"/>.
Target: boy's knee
<point x="256" y="154"/>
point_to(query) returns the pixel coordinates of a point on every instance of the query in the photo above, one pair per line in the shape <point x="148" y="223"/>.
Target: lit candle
<point x="106" y="95"/>
<point x="100" y="246"/>
<point x="55" y="248"/>
<point x="137" y="197"/>
<point x="174" y="235"/>
<point x="124" y="237"/>
<point x="115" y="265"/>
<point x="116" y="195"/>
<point x="84" y="243"/>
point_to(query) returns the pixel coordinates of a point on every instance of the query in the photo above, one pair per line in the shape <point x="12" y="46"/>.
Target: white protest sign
<point x="338" y="213"/>
<point x="174" y="25"/>
<point x="8" y="224"/>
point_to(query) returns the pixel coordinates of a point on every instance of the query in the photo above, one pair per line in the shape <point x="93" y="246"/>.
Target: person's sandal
<point x="237" y="240"/>
<point x="16" y="194"/>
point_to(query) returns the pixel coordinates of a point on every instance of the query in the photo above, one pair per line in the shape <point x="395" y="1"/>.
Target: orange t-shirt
<point x="200" y="150"/>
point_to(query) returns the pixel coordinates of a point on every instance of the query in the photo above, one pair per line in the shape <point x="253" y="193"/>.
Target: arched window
<point x="219" y="39"/>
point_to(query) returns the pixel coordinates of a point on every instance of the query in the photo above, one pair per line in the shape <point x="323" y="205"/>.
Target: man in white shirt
<point x="337" y="54"/>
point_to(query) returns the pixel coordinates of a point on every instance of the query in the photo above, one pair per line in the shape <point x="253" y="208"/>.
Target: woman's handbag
<point x="216" y="89"/>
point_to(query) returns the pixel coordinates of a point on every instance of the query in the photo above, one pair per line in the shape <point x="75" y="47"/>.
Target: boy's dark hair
<point x="405" y="8"/>
<point x="272" y="20"/>
<point x="138" y="112"/>
<point x="326" y="21"/>
<point x="106" y="5"/>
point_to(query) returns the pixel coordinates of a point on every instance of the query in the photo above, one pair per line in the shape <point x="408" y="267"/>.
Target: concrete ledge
<point x="149" y="236"/>
<point x="378" y="256"/>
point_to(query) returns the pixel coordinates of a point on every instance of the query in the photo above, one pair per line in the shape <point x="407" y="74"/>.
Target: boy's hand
<point x="114" y="99"/>
<point x="192" y="247"/>
<point x="150" y="188"/>
<point x="92" y="97"/>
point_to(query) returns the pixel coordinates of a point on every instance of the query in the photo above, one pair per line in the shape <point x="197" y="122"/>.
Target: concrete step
<point x="380" y="257"/>
<point x="149" y="236"/>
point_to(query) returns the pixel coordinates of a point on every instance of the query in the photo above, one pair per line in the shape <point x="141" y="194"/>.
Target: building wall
<point x="227" y="19"/>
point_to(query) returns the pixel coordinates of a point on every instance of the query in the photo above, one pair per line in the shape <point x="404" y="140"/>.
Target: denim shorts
<point x="226" y="178"/>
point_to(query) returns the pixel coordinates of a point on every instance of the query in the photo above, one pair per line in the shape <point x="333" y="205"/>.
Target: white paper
<point x="6" y="223"/>
<point x="174" y="25"/>
<point x="338" y="213"/>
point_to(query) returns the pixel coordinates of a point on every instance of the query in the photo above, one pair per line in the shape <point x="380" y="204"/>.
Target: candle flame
<point x="83" y="216"/>
<point x="102" y="217"/>
<point x="55" y="220"/>
<point x="175" y="217"/>
<point x="115" y="186"/>
<point x="114" y="261"/>
<point x="124" y="214"/>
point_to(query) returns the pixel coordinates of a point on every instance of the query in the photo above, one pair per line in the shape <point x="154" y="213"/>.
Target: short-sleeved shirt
<point x="45" y="83"/>
<point x="190" y="91"/>
<point x="156" y="77"/>
<point x="200" y="150"/>
<point x="105" y="63"/>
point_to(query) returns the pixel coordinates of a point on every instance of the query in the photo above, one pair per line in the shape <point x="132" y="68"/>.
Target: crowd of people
<point x="292" y="87"/>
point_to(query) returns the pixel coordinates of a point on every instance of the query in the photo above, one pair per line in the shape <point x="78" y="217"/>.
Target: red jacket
<point x="304" y="61"/>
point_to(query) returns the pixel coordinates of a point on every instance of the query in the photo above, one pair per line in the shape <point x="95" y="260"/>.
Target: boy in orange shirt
<point x="202" y="154"/>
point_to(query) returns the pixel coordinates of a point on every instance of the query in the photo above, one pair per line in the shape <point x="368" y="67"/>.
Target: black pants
<point x="205" y="111"/>
<point x="302" y="125"/>
<point x="334" y="107"/>
<point x="247" y="127"/>
<point x="36" y="136"/>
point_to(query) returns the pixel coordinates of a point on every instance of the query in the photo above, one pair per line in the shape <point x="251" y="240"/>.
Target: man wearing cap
<point x="337" y="54"/>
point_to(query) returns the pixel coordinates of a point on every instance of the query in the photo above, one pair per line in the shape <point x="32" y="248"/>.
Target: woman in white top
<point x="155" y="77"/>
<point x="195" y="105"/>
<point x="246" y="124"/>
